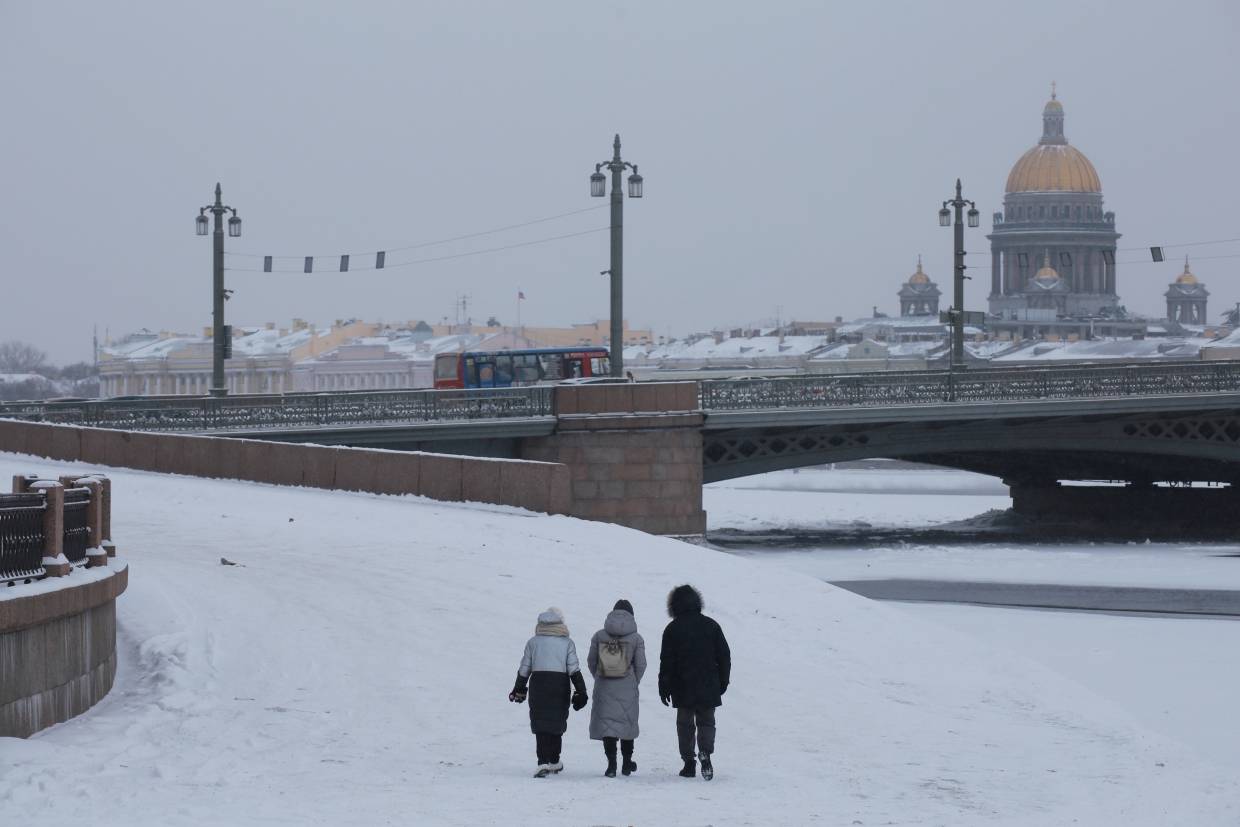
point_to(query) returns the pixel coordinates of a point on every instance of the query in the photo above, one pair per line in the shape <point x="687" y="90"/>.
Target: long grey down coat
<point x="613" y="713"/>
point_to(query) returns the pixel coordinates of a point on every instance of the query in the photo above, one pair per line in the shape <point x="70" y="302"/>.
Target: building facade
<point x="1053" y="218"/>
<point x="170" y="364"/>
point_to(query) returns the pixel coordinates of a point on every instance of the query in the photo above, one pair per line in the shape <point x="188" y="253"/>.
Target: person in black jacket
<point x="694" y="667"/>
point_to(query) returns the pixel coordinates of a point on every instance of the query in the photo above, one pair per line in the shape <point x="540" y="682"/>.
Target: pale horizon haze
<point x="795" y="154"/>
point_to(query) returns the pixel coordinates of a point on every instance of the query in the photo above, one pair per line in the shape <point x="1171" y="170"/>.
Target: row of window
<point x="1054" y="212"/>
<point x="1064" y="262"/>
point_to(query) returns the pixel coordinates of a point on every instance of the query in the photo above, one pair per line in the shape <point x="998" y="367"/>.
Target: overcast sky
<point x="794" y="154"/>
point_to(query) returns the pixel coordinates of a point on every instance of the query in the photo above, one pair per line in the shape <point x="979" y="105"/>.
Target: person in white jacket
<point x="548" y="666"/>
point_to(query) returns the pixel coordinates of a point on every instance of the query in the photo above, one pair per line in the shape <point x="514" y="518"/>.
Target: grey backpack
<point x="613" y="659"/>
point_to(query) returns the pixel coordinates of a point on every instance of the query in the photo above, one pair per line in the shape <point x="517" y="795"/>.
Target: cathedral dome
<point x="1048" y="276"/>
<point x="919" y="277"/>
<point x="1186" y="277"/>
<point x="1052" y="165"/>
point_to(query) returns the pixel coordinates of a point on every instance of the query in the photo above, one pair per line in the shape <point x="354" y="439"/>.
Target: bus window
<point x="471" y="372"/>
<point x="446" y="366"/>
<point x="600" y="366"/>
<point x="503" y="370"/>
<point x="573" y="368"/>
<point x="526" y="369"/>
<point x="552" y="367"/>
<point x="486" y="375"/>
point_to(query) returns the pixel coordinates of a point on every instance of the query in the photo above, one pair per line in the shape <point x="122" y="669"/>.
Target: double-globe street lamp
<point x="598" y="188"/>
<point x="956" y="314"/>
<point x="221" y="344"/>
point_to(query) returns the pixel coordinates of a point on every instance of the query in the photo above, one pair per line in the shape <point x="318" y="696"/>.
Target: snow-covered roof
<point x="738" y="348"/>
<point x="256" y="341"/>
<point x="988" y="349"/>
<point x="1230" y="340"/>
<point x="925" y="322"/>
<point x="1105" y="350"/>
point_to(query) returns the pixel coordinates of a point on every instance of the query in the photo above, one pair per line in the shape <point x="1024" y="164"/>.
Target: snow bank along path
<point x="354" y="670"/>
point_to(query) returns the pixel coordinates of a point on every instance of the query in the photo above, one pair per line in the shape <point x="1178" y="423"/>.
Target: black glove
<point x="519" y="690"/>
<point x="580" y="697"/>
<point x="665" y="698"/>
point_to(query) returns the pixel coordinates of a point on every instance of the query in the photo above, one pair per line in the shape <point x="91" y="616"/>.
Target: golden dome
<point x="919" y="277"/>
<point x="1053" y="168"/>
<point x="1186" y="277"/>
<point x="1052" y="165"/>
<point x="1048" y="274"/>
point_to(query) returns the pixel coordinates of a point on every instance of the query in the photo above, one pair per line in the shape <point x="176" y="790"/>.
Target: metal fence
<point x="242" y="413"/>
<point x="975" y="385"/>
<point x="21" y="536"/>
<point x="77" y="525"/>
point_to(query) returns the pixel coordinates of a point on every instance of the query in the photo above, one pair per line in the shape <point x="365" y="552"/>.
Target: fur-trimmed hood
<point x="684" y="600"/>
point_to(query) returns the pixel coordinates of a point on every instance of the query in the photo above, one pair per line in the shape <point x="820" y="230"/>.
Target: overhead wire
<point x="441" y="241"/>
<point x="396" y="265"/>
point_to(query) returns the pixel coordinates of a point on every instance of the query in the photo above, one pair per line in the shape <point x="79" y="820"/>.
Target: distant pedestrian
<point x="628" y="374"/>
<point x="547" y="668"/>
<point x="694" y="669"/>
<point x="617" y="661"/>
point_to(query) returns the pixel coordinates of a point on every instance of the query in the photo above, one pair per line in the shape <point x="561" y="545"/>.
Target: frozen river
<point x="888" y="533"/>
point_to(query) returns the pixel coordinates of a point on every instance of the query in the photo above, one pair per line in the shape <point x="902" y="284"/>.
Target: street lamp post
<point x="220" y="346"/>
<point x="957" y="311"/>
<point x="598" y="188"/>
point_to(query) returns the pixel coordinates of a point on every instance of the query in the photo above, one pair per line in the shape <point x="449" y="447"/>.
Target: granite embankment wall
<point x="58" y="650"/>
<point x="537" y="486"/>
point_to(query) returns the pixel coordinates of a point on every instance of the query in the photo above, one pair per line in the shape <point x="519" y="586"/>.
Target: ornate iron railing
<point x="77" y="526"/>
<point x="21" y="536"/>
<point x="241" y="413"/>
<point x="311" y="410"/>
<point x="974" y="385"/>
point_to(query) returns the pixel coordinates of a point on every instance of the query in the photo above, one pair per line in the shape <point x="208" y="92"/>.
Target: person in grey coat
<point x="617" y="647"/>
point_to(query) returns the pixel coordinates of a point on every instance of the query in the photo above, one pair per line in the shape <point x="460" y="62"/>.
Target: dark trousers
<point x="626" y="747"/>
<point x="701" y="719"/>
<point x="548" y="747"/>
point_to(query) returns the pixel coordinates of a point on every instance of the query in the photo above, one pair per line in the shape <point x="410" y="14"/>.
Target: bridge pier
<point x="1169" y="511"/>
<point x="634" y="453"/>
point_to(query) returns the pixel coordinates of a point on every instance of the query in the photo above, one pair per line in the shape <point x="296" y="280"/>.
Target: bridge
<point x="657" y="442"/>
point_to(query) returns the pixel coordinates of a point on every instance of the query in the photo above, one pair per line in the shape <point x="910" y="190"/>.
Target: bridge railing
<point x="256" y="412"/>
<point x="974" y="385"/>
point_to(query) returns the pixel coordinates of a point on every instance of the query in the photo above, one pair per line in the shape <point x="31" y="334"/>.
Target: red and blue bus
<point x="506" y="368"/>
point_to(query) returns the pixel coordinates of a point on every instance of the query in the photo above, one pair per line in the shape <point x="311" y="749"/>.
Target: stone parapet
<point x="57" y="652"/>
<point x="526" y="484"/>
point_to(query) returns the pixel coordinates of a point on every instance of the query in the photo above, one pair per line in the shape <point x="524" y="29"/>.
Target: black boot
<point x="708" y="770"/>
<point x="690" y="769"/>
<point x="609" y="749"/>
<point x="630" y="766"/>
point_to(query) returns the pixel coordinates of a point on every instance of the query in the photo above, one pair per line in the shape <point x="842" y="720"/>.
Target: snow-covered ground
<point x="353" y="669"/>
<point x="1177" y="676"/>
